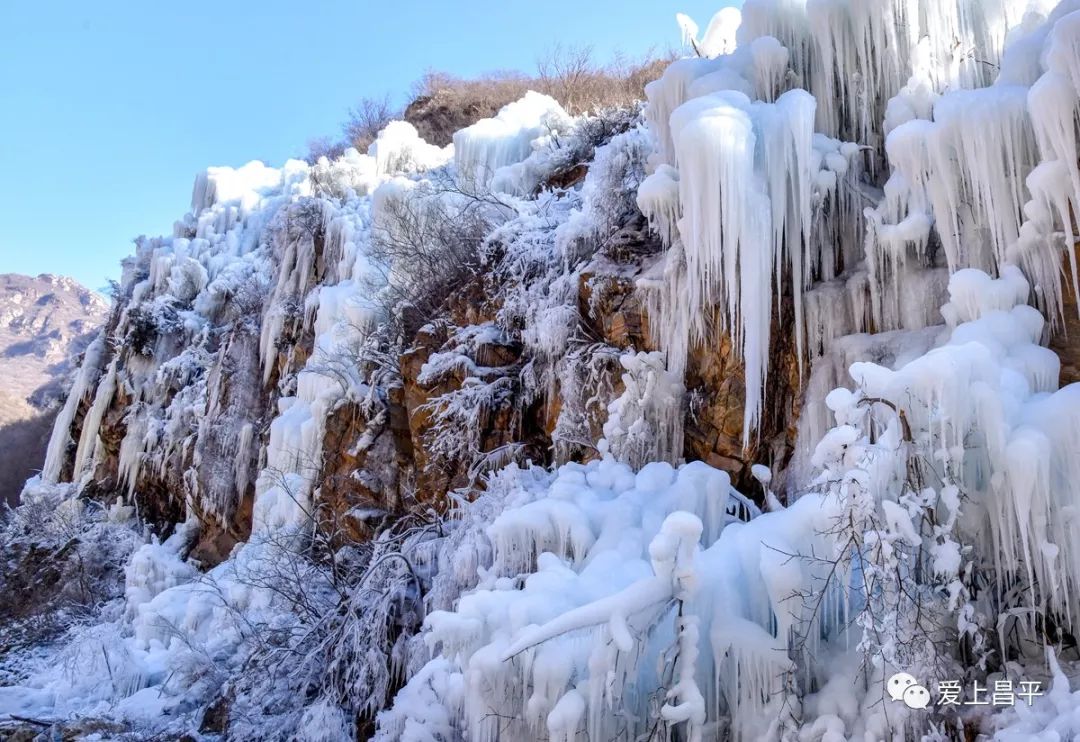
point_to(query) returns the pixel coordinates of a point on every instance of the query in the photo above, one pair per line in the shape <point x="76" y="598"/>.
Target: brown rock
<point x="1066" y="341"/>
<point x="215" y="719"/>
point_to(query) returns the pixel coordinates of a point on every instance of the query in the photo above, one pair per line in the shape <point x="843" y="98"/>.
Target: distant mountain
<point x="45" y="322"/>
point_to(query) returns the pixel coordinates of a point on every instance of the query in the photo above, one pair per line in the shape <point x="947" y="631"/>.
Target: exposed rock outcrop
<point x="438" y="115"/>
<point x="1066" y="341"/>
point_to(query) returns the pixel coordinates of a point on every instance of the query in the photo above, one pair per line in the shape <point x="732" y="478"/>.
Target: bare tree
<point x="366" y="119"/>
<point x="323" y="147"/>
<point x="569" y="75"/>
<point x="434" y="244"/>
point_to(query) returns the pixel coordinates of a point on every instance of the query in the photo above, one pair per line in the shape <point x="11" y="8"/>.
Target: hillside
<point x="45" y="323"/>
<point x="737" y="414"/>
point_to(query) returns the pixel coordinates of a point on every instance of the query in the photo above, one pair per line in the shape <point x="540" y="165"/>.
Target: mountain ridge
<point x="46" y="322"/>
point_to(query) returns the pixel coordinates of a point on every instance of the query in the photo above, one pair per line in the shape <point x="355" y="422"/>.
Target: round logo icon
<point x="899" y="683"/>
<point x="916" y="697"/>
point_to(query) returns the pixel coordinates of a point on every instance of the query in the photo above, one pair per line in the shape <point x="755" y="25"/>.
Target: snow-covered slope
<point x="699" y="421"/>
<point x="45" y="323"/>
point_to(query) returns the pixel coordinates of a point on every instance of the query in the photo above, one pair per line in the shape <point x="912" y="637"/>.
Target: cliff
<point x="712" y="418"/>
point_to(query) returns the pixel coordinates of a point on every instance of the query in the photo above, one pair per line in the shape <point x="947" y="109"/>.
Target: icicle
<point x="658" y="199"/>
<point x="670" y="92"/>
<point x="744" y="183"/>
<point x="1054" y="103"/>
<point x="61" y="432"/>
<point x="242" y="462"/>
<point x="88" y="439"/>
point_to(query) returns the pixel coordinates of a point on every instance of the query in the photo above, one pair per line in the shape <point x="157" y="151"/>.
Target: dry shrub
<point x="442" y="103"/>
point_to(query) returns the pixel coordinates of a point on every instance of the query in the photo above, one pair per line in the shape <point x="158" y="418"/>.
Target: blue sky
<point x="108" y="109"/>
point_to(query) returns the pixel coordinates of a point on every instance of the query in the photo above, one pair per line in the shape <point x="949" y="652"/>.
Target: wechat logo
<point x="904" y="688"/>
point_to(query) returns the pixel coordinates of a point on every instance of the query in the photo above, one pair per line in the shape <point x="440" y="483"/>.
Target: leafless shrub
<point x="571" y="75"/>
<point x="148" y="322"/>
<point x="363" y="124"/>
<point x="350" y="610"/>
<point x="324" y="147"/>
<point x="442" y="104"/>
<point x="564" y="73"/>
<point x="64" y="562"/>
<point x="461" y="416"/>
<point x="433" y="240"/>
<point x="366" y="119"/>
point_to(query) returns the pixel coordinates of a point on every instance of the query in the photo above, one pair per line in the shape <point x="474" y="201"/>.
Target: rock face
<point x="278" y="393"/>
<point x="715" y="383"/>
<point x="405" y="445"/>
<point x="437" y="116"/>
<point x="1066" y="343"/>
<point x="206" y="414"/>
<point x="45" y="322"/>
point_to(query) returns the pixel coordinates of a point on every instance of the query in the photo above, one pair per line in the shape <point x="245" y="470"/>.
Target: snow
<point x="175" y="621"/>
<point x="566" y="632"/>
<point x="639" y="551"/>
<point x="156" y="567"/>
<point x="398" y="148"/>
<point x="1054" y="716"/>
<point x="226" y="186"/>
<point x="794" y="175"/>
<point x="663" y="555"/>
<point x="506" y="139"/>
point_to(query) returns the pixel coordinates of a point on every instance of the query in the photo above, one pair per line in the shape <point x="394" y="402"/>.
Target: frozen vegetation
<point x="880" y="193"/>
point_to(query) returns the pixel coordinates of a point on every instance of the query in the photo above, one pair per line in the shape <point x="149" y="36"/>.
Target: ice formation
<point x="244" y="224"/>
<point x="399" y="149"/>
<point x="894" y="184"/>
<point x="506" y="139"/>
<point x="719" y="37"/>
<point x="61" y="438"/>
<point x="645" y="422"/>
<point x="617" y="548"/>
<point x="971" y="412"/>
<point x="942" y="187"/>
<point x="739" y="187"/>
<point x="982" y="409"/>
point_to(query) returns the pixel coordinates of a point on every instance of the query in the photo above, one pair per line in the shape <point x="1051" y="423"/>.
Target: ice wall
<point x="735" y="202"/>
<point x="601" y="580"/>
<point x="972" y="169"/>
<point x="505" y="139"/>
<point x="938" y="485"/>
<point x="206" y="340"/>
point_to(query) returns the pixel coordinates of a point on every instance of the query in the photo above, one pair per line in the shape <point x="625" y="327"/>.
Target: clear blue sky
<point x="108" y="109"/>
